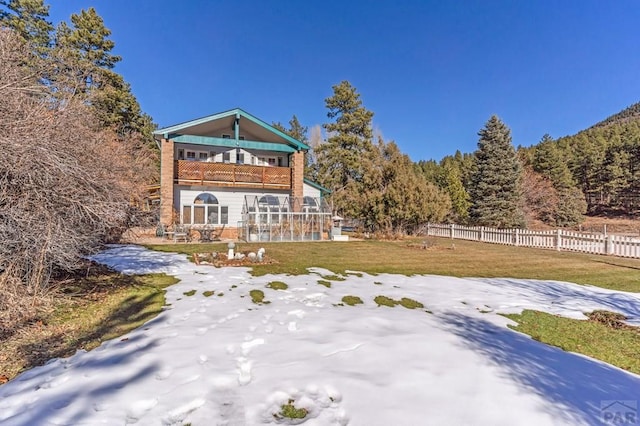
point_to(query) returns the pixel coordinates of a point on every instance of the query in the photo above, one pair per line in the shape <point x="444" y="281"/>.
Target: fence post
<point x="516" y="237"/>
<point x="428" y="229"/>
<point x="608" y="245"/>
<point x="481" y="234"/>
<point x="559" y="239"/>
<point x="451" y="230"/>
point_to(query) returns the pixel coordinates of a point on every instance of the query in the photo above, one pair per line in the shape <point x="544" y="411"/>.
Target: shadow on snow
<point x="574" y="385"/>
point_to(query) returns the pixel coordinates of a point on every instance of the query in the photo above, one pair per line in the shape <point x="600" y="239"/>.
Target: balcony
<point x="231" y="175"/>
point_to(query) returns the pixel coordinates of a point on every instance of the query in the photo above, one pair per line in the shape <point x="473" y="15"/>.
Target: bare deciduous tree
<point x="66" y="185"/>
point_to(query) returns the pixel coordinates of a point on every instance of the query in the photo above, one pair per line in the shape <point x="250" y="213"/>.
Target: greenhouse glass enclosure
<point x="284" y="218"/>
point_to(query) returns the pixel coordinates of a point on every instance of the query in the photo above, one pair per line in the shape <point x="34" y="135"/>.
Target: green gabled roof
<point x="317" y="186"/>
<point x="176" y="129"/>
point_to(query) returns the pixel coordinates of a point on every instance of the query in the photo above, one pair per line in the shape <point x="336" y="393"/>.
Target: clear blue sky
<point x="433" y="72"/>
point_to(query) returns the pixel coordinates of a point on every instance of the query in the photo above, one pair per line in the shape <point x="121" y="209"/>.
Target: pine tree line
<point x="553" y="182"/>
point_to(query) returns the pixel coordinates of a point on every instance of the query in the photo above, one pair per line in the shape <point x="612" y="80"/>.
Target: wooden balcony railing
<point x="223" y="174"/>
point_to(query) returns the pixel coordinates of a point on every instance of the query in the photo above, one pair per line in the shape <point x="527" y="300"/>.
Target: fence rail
<point x="558" y="239"/>
<point x="233" y="174"/>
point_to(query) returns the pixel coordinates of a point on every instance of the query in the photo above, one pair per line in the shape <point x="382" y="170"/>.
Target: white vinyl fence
<point x="558" y="239"/>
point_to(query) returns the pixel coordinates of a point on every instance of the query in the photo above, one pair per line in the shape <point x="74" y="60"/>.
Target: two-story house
<point x="234" y="170"/>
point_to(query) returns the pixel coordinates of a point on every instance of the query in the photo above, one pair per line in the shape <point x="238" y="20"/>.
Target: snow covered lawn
<point x="220" y="359"/>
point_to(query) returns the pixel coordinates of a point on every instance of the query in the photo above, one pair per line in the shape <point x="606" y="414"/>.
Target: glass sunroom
<point x="284" y="218"/>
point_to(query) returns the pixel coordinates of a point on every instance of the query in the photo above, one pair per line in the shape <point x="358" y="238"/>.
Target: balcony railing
<point x="223" y="174"/>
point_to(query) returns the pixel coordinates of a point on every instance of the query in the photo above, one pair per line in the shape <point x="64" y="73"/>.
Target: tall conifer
<point x="495" y="190"/>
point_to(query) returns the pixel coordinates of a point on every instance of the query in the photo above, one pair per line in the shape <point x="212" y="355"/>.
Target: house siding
<point x="310" y="191"/>
<point x="216" y="154"/>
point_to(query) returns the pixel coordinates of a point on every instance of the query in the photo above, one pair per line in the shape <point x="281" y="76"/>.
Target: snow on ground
<point x="223" y="360"/>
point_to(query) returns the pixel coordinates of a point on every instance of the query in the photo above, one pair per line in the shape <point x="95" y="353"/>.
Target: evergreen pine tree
<point x="86" y="49"/>
<point x="549" y="162"/>
<point x="408" y="199"/>
<point x="348" y="151"/>
<point x="459" y="196"/>
<point x="496" y="193"/>
<point x="29" y="19"/>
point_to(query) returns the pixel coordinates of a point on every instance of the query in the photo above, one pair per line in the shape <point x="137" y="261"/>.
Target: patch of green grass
<point x="356" y="274"/>
<point x="334" y="278"/>
<point x="257" y="297"/>
<point x="616" y="346"/>
<point x="207" y="293"/>
<point x="469" y="259"/>
<point x="352" y="300"/>
<point x="277" y="285"/>
<point x="410" y="303"/>
<point x="97" y="306"/>
<point x="404" y="302"/>
<point x="385" y="301"/>
<point x="189" y="293"/>
<point x="325" y="283"/>
<point x="290" y="411"/>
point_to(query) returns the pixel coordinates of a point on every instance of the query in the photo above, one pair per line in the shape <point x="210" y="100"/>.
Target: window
<point x="205" y="209"/>
<point x="269" y="206"/>
<point x="224" y="215"/>
<point x="213" y="216"/>
<point x="272" y="161"/>
<point x="186" y="214"/>
<point x="241" y="137"/>
<point x="241" y="158"/>
<point x="270" y="200"/>
<point x="205" y="198"/>
<point x="181" y="154"/>
<point x="202" y="156"/>
<point x="226" y="157"/>
<point x="191" y="155"/>
<point x="309" y="202"/>
<point x="279" y="161"/>
<point x="226" y="136"/>
<point x="310" y="205"/>
<point x="198" y="214"/>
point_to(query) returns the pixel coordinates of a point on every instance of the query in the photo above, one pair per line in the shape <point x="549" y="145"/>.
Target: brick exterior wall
<point x="297" y="175"/>
<point x="166" y="181"/>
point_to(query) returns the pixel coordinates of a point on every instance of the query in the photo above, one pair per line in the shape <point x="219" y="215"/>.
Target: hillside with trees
<point x="596" y="171"/>
<point x="604" y="161"/>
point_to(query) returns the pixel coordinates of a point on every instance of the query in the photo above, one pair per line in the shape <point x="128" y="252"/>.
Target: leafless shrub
<point x="610" y="319"/>
<point x="540" y="197"/>
<point x="66" y="186"/>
